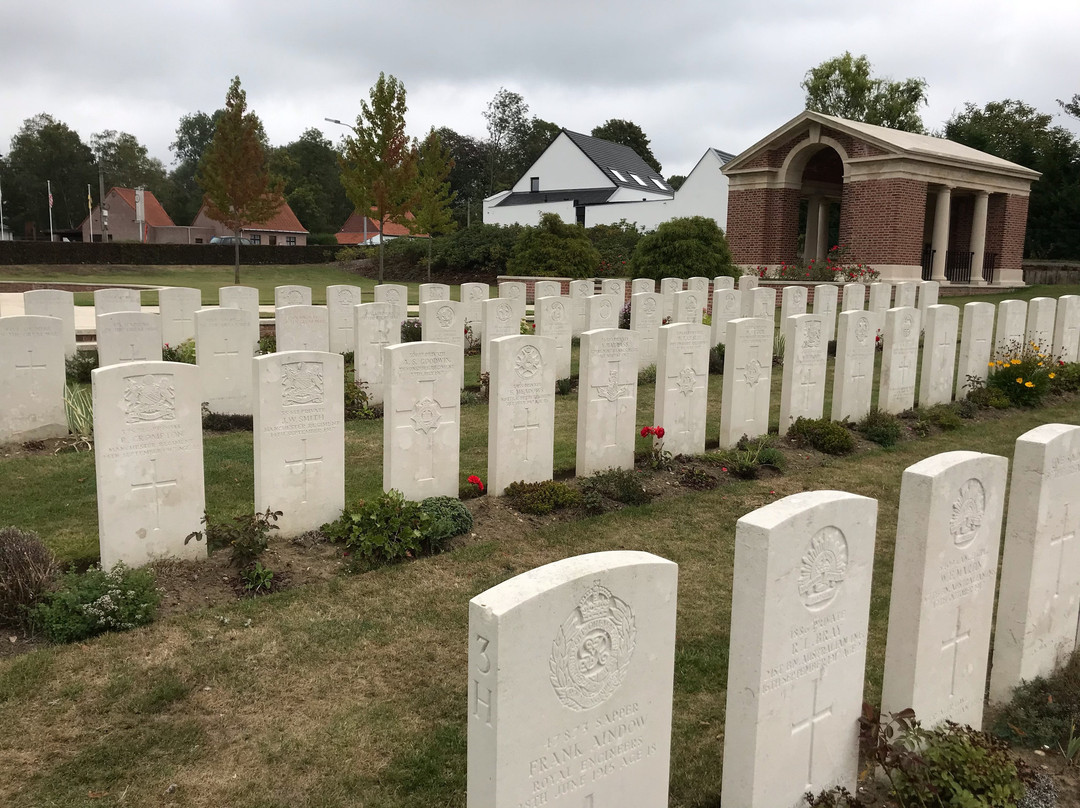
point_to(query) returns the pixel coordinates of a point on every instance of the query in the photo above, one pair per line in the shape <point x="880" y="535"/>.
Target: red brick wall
<point x="961" y="214"/>
<point x="763" y="225"/>
<point x="881" y="221"/>
<point x="774" y="158"/>
<point x="854" y="148"/>
<point x="1014" y="225"/>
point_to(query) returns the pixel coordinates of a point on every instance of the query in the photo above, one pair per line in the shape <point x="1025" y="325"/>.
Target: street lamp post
<point x="348" y="126"/>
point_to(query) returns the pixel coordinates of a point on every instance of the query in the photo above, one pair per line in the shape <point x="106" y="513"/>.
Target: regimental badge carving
<point x="392" y="296"/>
<point x="687" y="381"/>
<point x="294" y="297"/>
<point x="967" y="513"/>
<point x="513" y="291"/>
<point x="558" y="312"/>
<point x="426" y="415"/>
<point x="445" y="316"/>
<point x="729" y="302"/>
<point x="503" y="312"/>
<point x="908" y="325"/>
<point x="528" y="362"/>
<point x="344" y="297"/>
<point x="797" y="296"/>
<point x="812" y="338"/>
<point x="476" y="294"/>
<point x="301" y="383"/>
<point x="753" y="372"/>
<point x="612" y="391"/>
<point x="591" y="653"/>
<point x="823" y="568"/>
<point x="149" y="398"/>
<point x="605" y="309"/>
<point x="862" y="330"/>
<point x="650" y="306"/>
<point x="691" y="302"/>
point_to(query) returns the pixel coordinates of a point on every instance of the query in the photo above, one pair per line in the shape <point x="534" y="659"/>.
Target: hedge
<point x="77" y="252"/>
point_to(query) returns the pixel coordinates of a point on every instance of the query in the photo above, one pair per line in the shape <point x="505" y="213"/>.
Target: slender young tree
<point x="432" y="213"/>
<point x="233" y="172"/>
<point x="378" y="167"/>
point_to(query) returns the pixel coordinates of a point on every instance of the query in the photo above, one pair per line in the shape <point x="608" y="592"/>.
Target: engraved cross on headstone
<point x="907" y="367"/>
<point x="807" y="384"/>
<point x="953" y="644"/>
<point x="425" y="422"/>
<point x="685" y="381"/>
<point x="612" y="391"/>
<point x="942" y="354"/>
<point x="30" y="363"/>
<point x="132" y="357"/>
<point x="155" y="485"/>
<point x="1058" y="541"/>
<point x="528" y="426"/>
<point x="303" y="463"/>
<point x="816" y="716"/>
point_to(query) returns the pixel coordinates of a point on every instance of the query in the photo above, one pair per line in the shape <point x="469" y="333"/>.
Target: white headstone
<point x="976" y="345"/>
<point x="939" y="355"/>
<point x="433" y="291"/>
<point x="397" y="295"/>
<point x="377" y="326"/>
<point x="747" y="282"/>
<point x="223" y="350"/>
<point x="578" y="290"/>
<point x="1040" y="323"/>
<point x="242" y="297"/>
<point x="1039" y="591"/>
<point x="302" y="328"/>
<point x="607" y="400"/>
<point x="1066" y="328"/>
<point x="554" y="319"/>
<point x="54" y="303"/>
<point x="110" y="301"/>
<point x="614" y="286"/>
<point x="300" y="437"/>
<point x="825" y="304"/>
<point x="906" y="294"/>
<point x="699" y="285"/>
<point x="502" y="318"/>
<point x="928" y="296"/>
<point x="149" y="461"/>
<point x="802" y="394"/>
<point x="570" y="684"/>
<point x="744" y="405"/>
<point x="760" y="302"/>
<point x="799" y="614"/>
<point x="1009" y="331"/>
<point x="726" y="306"/>
<point x="128" y="336"/>
<point x="668" y="288"/>
<point x="639" y="285"/>
<point x="792" y="302"/>
<point x="854" y="297"/>
<point x="546" y="289"/>
<point x="688" y="306"/>
<point x="899" y="360"/>
<point x="177" y="305"/>
<point x="853" y="374"/>
<point x="880" y="297"/>
<point x="521" y="416"/>
<point x="944" y="571"/>
<point x="341" y="301"/>
<point x="515" y="290"/>
<point x="723" y="282"/>
<point x="646" y="316"/>
<point x="472" y="294"/>
<point x="603" y="311"/>
<point x="292" y="295"/>
<point x="682" y="386"/>
<point x="31" y="378"/>
<point x="422" y="419"/>
<point x="442" y="320"/>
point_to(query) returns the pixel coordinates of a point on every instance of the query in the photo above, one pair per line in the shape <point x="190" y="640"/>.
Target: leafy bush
<point x="386" y="529"/>
<point x="247" y="536"/>
<point x="553" y="248"/>
<point x="1044" y="710"/>
<point x="624" y="315"/>
<point x="541" y="497"/>
<point x="748" y="457"/>
<point x="447" y="517"/>
<point x="615" y="243"/>
<point x="683" y="248"/>
<point x="478" y="248"/>
<point x="226" y="422"/>
<point x="1067" y="377"/>
<point x="27" y="568"/>
<point x="943" y="416"/>
<point x="564" y="386"/>
<point x="79" y="366"/>
<point x="621" y="485"/>
<point x="184" y="352"/>
<point x="357" y="402"/>
<point x="90" y="603"/>
<point x="267" y="344"/>
<point x="716" y="359"/>
<point x="822" y="434"/>
<point x="988" y="398"/>
<point x="79" y="409"/>
<point x="883" y="428"/>
<point x="411" y="330"/>
<point x="257" y="579"/>
<point x="1025" y="373"/>
<point x="647" y="375"/>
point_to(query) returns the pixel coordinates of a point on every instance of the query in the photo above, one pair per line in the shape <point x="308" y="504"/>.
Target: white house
<point x="592" y="181"/>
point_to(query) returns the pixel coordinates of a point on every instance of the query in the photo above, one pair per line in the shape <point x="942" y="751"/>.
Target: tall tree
<point x="47" y="150"/>
<point x="233" y="171"/>
<point x="506" y="116"/>
<point x="309" y="168"/>
<point x="432" y="212"/>
<point x="126" y="162"/>
<point x="844" y="86"/>
<point x="468" y="176"/>
<point x="193" y="136"/>
<point x="378" y="167"/>
<point x="628" y="134"/>
<point x="1071" y="107"/>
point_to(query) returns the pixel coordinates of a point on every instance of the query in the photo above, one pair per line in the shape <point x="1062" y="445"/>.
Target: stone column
<point x="940" y="242"/>
<point x="810" y="242"/>
<point x="978" y="235"/>
<point x="822" y="229"/>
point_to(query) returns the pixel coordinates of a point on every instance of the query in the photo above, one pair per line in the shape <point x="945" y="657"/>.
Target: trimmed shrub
<point x="386" y="529"/>
<point x="1045" y="710"/>
<point x="96" y="601"/>
<point x="621" y="485"/>
<point x="27" y="568"/>
<point x="683" y="248"/>
<point x="78" y="367"/>
<point x="553" y="248"/>
<point x="541" y="497"/>
<point x="883" y="428"/>
<point x="447" y="517"/>
<point x="183" y="352"/>
<point x="822" y="434"/>
<point x="226" y="422"/>
<point x="716" y="359"/>
<point x="615" y="243"/>
<point x="411" y="330"/>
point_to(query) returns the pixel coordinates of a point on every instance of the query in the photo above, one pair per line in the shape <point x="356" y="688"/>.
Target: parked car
<point x="229" y="240"/>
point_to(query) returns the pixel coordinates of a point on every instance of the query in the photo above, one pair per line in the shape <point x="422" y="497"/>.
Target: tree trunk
<point x="236" y="254"/>
<point x="429" y="258"/>
<point x="380" y="258"/>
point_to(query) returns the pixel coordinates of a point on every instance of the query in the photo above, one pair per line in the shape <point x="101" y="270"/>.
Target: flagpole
<point x="48" y="184"/>
<point x="90" y="208"/>
<point x="1" y="214"/>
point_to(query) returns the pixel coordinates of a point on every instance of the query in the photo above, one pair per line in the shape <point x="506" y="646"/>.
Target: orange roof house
<point x="352" y="232"/>
<point x="283" y="228"/>
<point x="120" y="202"/>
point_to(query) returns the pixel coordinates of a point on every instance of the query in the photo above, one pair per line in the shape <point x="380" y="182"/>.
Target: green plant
<point x="615" y="243"/>
<point x="447" y="518"/>
<point x="257" y="579"/>
<point x="716" y="359"/>
<point x="683" y="248"/>
<point x="1024" y="371"/>
<point x="1067" y="377"/>
<point x="1070" y="749"/>
<point x="79" y="408"/>
<point x="1044" y="711"/>
<point x="386" y="529"/>
<point x="965" y="409"/>
<point x="822" y="434"/>
<point x="226" y="422"/>
<point x="748" y="457"/>
<point x="86" y="604"/>
<point x="943" y="416"/>
<point x="564" y="386"/>
<point x="247" y="536"/>
<point x="659" y="459"/>
<point x="987" y="397"/>
<point x="184" y="352"/>
<point x="526" y="328"/>
<point x="267" y="344"/>
<point x="411" y="330"/>
<point x="357" y="403"/>
<point x="883" y="428"/>
<point x="79" y="365"/>
<point x="553" y="247"/>
<point x="541" y="497"/>
<point x="835" y="797"/>
<point x="647" y="375"/>
<point x="27" y="568"/>
<point x="698" y="479"/>
<point x="779" y="345"/>
<point x="621" y="485"/>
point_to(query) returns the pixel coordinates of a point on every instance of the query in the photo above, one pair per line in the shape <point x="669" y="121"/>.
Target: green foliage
<point x="698" y="479"/>
<point x="86" y="604"/>
<point x="1043" y="711"/>
<point x="267" y="344"/>
<point x="716" y="359"/>
<point x="564" y="386"/>
<point x="1024" y="373"/>
<point x="257" y="579"/>
<point x="1067" y="378"/>
<point x="357" y="402"/>
<point x="226" y="421"/>
<point x="822" y="434"/>
<point x="27" y="568"/>
<point x="883" y="428"/>
<point x="629" y="134"/>
<point x="411" y="330"/>
<point x="184" y="352"/>
<point x="79" y="409"/>
<point x="835" y="797"/>
<point x="79" y="366"/>
<point x="986" y="397"/>
<point x="433" y="209"/>
<point x="126" y="162"/>
<point x="541" y="497"/>
<point x="553" y="248"/>
<point x="616" y="244"/>
<point x="507" y="120"/>
<point x="621" y="485"/>
<point x="838" y="267"/>
<point x="843" y="86"/>
<point x="779" y="347"/>
<point x="247" y="536"/>
<point x="647" y="375"/>
<point x="309" y="169"/>
<point x="479" y="248"/>
<point x="447" y="517"/>
<point x="683" y="248"/>
<point x="386" y="529"/>
<point x="748" y="457"/>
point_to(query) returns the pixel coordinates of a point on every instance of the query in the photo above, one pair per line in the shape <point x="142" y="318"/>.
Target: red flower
<point x="659" y="432"/>
<point x="474" y="480"/>
<point x="644" y="431"/>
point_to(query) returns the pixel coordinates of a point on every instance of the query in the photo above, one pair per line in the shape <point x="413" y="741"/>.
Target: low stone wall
<point x="1064" y="272"/>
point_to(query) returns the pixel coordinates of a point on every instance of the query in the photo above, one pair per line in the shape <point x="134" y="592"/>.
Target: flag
<point x="89" y="201"/>
<point x="50" y="199"/>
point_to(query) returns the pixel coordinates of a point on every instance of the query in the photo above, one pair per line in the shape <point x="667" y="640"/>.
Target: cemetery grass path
<point x="351" y="692"/>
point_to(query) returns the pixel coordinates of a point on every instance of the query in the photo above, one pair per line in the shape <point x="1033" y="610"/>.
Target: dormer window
<point x="658" y="184"/>
<point x="534" y="184"/>
<point x="618" y="175"/>
<point x="639" y="180"/>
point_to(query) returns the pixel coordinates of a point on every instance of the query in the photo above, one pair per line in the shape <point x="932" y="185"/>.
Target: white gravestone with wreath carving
<point x="607" y="400"/>
<point x="502" y="317"/>
<point x="554" y="318"/>
<point x="292" y="295"/>
<point x="646" y="317"/>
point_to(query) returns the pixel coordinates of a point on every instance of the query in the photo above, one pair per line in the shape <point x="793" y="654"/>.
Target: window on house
<point x="290" y="241"/>
<point x="534" y="184"/>
<point x="272" y="241"/>
<point x="638" y="179"/>
<point x="618" y="174"/>
<point x="198" y="241"/>
<point x="658" y="184"/>
<point x="256" y="239"/>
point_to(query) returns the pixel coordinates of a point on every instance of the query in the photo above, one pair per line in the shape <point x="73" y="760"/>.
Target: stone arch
<point x="817" y="169"/>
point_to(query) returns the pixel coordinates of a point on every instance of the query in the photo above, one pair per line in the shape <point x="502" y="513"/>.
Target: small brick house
<point x="358" y="231"/>
<point x="281" y="229"/>
<point x="912" y="206"/>
<point x="157" y="227"/>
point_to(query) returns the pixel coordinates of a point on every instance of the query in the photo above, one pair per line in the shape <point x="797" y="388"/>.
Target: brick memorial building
<point x="911" y="206"/>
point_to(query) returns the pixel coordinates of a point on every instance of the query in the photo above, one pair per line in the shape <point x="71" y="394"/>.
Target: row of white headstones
<point x="571" y="665"/>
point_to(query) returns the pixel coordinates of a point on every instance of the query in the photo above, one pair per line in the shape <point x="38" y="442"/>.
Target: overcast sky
<point x="691" y="74"/>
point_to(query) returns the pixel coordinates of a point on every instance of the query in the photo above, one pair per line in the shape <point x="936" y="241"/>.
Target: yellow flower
<point x="1051" y="375"/>
<point x="1028" y="384"/>
<point x="1040" y="364"/>
<point x="1016" y="361"/>
<point x="1019" y="379"/>
<point x="992" y="364"/>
